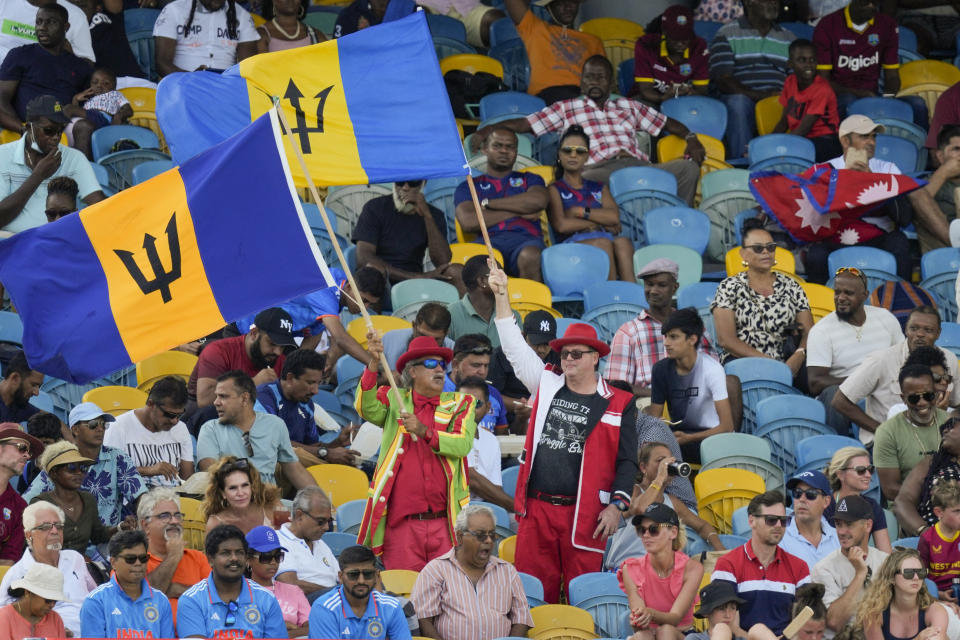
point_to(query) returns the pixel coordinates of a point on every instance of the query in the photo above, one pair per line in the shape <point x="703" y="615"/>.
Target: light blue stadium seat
<point x="11" y="328"/>
<point x="42" y="401"/>
<point x="505" y="105"/>
<point x="409" y="295"/>
<point x="722" y="209"/>
<point x="450" y="46"/>
<point x="782" y="164"/>
<point x="815" y="452"/>
<point x="509" y="475"/>
<point x="900" y="151"/>
<point x="939" y="268"/>
<point x="338" y="541"/>
<point x="878" y="107"/>
<point x="151" y="169"/>
<point x="516" y="65"/>
<point x="634" y="206"/>
<point x="689" y="261"/>
<point x="349" y="516"/>
<point x="741" y="522"/>
<point x="138" y="25"/>
<point x="609" y="318"/>
<point x="909" y="543"/>
<point x="786" y="420"/>
<point x="613" y="292"/>
<point x="120" y="164"/>
<point x="699" y="295"/>
<point x="724" y="180"/>
<point x="677" y="225"/>
<point x="738" y="221"/>
<point x="908" y="39"/>
<point x="700" y="114"/>
<point x="778" y="145"/>
<point x="878" y="265"/>
<point x="706" y="29"/>
<point x="629" y="179"/>
<point x="725" y="445"/>
<point x="533" y="588"/>
<point x="503" y="30"/>
<point x="909" y="131"/>
<point x="103" y="178"/>
<point x="600" y="594"/>
<point x="729" y="541"/>
<point x="571" y="267"/>
<point x="326" y="400"/>
<point x="759" y="378"/>
<point x="501" y="515"/>
<point x="949" y="337"/>
<point x="349" y="370"/>
<point x="909" y="56"/>
<point x="625" y="76"/>
<point x="439" y="193"/>
<point x="446" y="27"/>
<point x="67" y="395"/>
<point x="562" y="325"/>
<point x="799" y="29"/>
<point x="105" y="137"/>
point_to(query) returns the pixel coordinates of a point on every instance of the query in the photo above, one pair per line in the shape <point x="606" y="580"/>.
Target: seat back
<point x="529" y="291"/>
<point x="928" y="71"/>
<point x="358" y="328"/>
<point x="165" y="363"/>
<point x="503" y="30"/>
<point x="759" y="378"/>
<point x="571" y="267"/>
<point x="399" y="581"/>
<point x="706" y="29"/>
<point x="799" y="29"/>
<point x="11" y="328"/>
<point x="634" y="206"/>
<point x="532" y="587"/>
<point x="877" y="107"/>
<point x="820" y="299"/>
<point x="942" y="287"/>
<point x="610" y="317"/>
<point x="724" y="180"/>
<point x="138" y="25"/>
<point x="700" y="114"/>
<point x="862" y="258"/>
<point x="767" y="113"/>
<point x="151" y="169"/>
<point x="672" y="147"/>
<point x="323" y="21"/>
<point x="786" y="420"/>
<point x="776" y="145"/>
<point x="446" y="26"/>
<point x="472" y="63"/>
<point x="508" y="104"/>
<point x="929" y="91"/>
<point x="507" y="549"/>
<point x="678" y="225"/>
<point x="116" y="399"/>
<point x="689" y="261"/>
<point x="722" y="491"/>
<point x="623" y="181"/>
<point x="949" y="336"/>
<point x="510" y="475"/>
<point x="786" y="262"/>
<point x="550" y="618"/>
<point x="816" y="449"/>
<point x="613" y="292"/>
<point x="908" y="40"/>
<point x="409" y="295"/>
<point x="722" y="209"/>
<point x="512" y="56"/>
<point x="347" y="203"/>
<point x="105" y="137"/>
<point x="900" y="151"/>
<point x="698" y="295"/>
<point x="338" y="541"/>
<point x="725" y="445"/>
<point x="944" y="260"/>
<point x="350" y="515"/>
<point x="463" y="251"/>
<point x="772" y="474"/>
<point x="342" y="483"/>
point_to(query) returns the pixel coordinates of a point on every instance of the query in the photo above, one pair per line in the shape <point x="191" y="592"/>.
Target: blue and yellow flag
<point x="164" y="262"/>
<point x="369" y="107"/>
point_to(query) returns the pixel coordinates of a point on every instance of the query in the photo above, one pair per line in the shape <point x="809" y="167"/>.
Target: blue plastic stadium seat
<point x="533" y="588"/>
<point x="446" y="27"/>
<point x="503" y="30"/>
<point x="697" y="295"/>
<point x="729" y="541"/>
<point x="450" y="47"/>
<point x="138" y="25"/>
<point x="625" y="76"/>
<point x="571" y="267"/>
<point x="724" y="180"/>
<point x="699" y="113"/>
<point x="338" y="541"/>
<point x="799" y="29"/>
<point x="634" y="206"/>
<point x="706" y="29"/>
<point x="509" y="475"/>
<point x="600" y="594"/>
<point x="939" y="268"/>
<point x="783" y="421"/>
<point x="908" y="39"/>
<point x="349" y="516"/>
<point x="949" y="337"/>
<point x="759" y="378"/>
<point x="677" y="225"/>
<point x="815" y="452"/>
<point x="899" y="151"/>
<point x="512" y="54"/>
<point x="105" y="137"/>
<point x="862" y="258"/>
<point x="439" y="193"/>
<point x="613" y="292"/>
<point x="349" y="370"/>
<point x="151" y="169"/>
<point x="504" y="105"/>
<point x="11" y="328"/>
<point x="878" y="107"/>
<point x="775" y="145"/>
<point x="623" y="181"/>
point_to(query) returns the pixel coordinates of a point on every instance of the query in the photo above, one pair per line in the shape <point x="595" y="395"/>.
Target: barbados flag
<point x="165" y="262"/>
<point x="369" y="107"/>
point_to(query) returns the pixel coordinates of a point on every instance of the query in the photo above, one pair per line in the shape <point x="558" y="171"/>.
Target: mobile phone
<point x="853" y="156"/>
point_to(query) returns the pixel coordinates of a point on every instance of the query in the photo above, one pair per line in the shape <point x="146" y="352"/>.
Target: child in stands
<point x="103" y="103"/>
<point x="938" y="544"/>
<point x="809" y="103"/>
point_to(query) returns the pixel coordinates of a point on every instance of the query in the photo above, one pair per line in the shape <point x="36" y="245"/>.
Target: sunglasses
<point x="134" y="559"/>
<point x="770" y="247"/>
<point x="580" y="151"/>
<point x="944" y="377"/>
<point x="431" y="363"/>
<point x="50" y="130"/>
<point x="322" y="522"/>
<point x="851" y="270"/>
<point x="809" y="494"/>
<point x="97" y="423"/>
<point x="232" y="609"/>
<point x="240" y="463"/>
<point x="354" y="574"/>
<point x="21" y="447"/>
<point x="170" y="415"/>
<point x="267" y="557"/>
<point x="772" y="521"/>
<point x="47" y="526"/>
<point x="860" y="470"/>
<point x="576" y="354"/>
<point x="415" y="184"/>
<point x="914" y="398"/>
<point x="56" y="214"/>
<point x="75" y="467"/>
<point x="483" y="535"/>
<point x="247" y="445"/>
<point x="167" y="516"/>
<point x="653" y="529"/>
<point x="910" y="574"/>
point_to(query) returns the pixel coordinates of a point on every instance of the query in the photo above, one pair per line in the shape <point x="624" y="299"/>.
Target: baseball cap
<point x="677" y="23"/>
<point x="277" y="324"/>
<point x="46" y="106"/>
<point x="263" y="538"/>
<point x="715" y="595"/>
<point x="539" y="327"/>
<point x="853" y="508"/>
<point x="658" y="512"/>
<point x="87" y="411"/>
<point x="815" y="479"/>
<point x="660" y="265"/>
<point x="859" y="124"/>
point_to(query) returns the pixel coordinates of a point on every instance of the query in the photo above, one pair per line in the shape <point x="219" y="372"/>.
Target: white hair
<point x="306" y="496"/>
<point x="30" y="513"/>
<point x="149" y="501"/>
<point x="460" y="525"/>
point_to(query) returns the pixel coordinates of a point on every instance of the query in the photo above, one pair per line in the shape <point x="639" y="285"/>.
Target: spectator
<point x="486" y="482"/>
<point x="126" y="606"/>
<point x="23" y="14"/>
<point x="16" y="448"/>
<point x="759" y="312"/>
<point x="475" y="16"/>
<point x="61" y="198"/>
<point x="566" y="515"/>
<point x="424" y="483"/>
<point x="556" y="51"/>
<point x="109" y="36"/>
<point x="474" y="312"/>
<point x="942" y="186"/>
<point x="355" y="609"/>
<point x="263" y="559"/>
<point x="244" y="433"/>
<point x="103" y="104"/>
<point x="241" y="605"/>
<point x="236" y="495"/>
<point x="638" y="344"/>
<point x="154" y="437"/>
<point x="946" y="112"/>
<point x="809" y="104"/>
<point x="215" y="35"/>
<point x="670" y="63"/>
<point x="933" y="358"/>
<point x="662" y="584"/>
<point x="876" y="377"/>
<point x="850" y="473"/>
<point x="65" y="466"/>
<point x="308" y="562"/>
<point x="359" y="14"/>
<point x="937" y="545"/>
<point x="720" y="605"/>
<point x="32" y="613"/>
<point x="748" y="62"/>
<point x="840" y="341"/>
<point x="395" y="233"/>
<point x="43" y="527"/>
<point x="897" y="600"/>
<point x="809" y="536"/>
<point x="809" y="595"/>
<point x="34" y="159"/>
<point x="935" y="24"/>
<point x="512" y="204"/>
<point x="432" y="320"/>
<point x="914" y="505"/>
<point x="905" y="439"/>
<point x="291" y="399"/>
<point x="582" y="210"/>
<point x="613" y="125"/>
<point x="20" y="383"/>
<point x="691" y="385"/>
<point x="259" y="354"/>
<point x="171" y="568"/>
<point x="766" y="576"/>
<point x="284" y="27"/>
<point x="449" y="587"/>
<point x="471" y="358"/>
<point x="846" y="572"/>
<point x="46" y="428"/>
<point x="112" y="478"/>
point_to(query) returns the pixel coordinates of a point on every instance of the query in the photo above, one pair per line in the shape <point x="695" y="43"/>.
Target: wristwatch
<point x="484" y="203"/>
<point x="321" y="452"/>
<point x="586" y="213"/>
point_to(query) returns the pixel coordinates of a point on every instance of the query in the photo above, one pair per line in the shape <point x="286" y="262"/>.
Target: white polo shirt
<point x="318" y="566"/>
<point x="207" y="43"/>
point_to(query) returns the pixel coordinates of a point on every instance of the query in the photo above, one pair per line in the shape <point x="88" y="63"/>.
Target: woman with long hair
<point x="284" y="27"/>
<point x="897" y="605"/>
<point x="849" y="473"/>
<point x="236" y="495"/>
<point x="582" y="210"/>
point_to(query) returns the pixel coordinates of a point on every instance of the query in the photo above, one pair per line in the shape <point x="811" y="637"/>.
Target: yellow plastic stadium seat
<point x="8" y="136"/>
<point x="507" y="549"/>
<point x="720" y="492"/>
<point x="144" y="103"/>
<point x="472" y="63"/>
<point x="3" y="570"/>
<point x="542" y="170"/>
<point x="342" y="483"/>
<point x="463" y="251"/>
<point x="924" y="71"/>
<point x="768" y="112"/>
<point x="820" y="298"/>
<point x="672" y="147"/>
<point x="929" y="91"/>
<point x="463" y="236"/>
<point x="257" y="20"/>
<point x="786" y="262"/>
<point x="619" y="37"/>
<point x="115" y="399"/>
<point x="560" y="621"/>
<point x="167" y="363"/>
<point x="194" y="524"/>
<point x="399" y="581"/>
<point x="358" y="328"/>
<point x="523" y="290"/>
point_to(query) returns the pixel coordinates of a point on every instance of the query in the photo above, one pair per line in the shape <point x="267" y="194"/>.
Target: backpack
<point x="465" y="90"/>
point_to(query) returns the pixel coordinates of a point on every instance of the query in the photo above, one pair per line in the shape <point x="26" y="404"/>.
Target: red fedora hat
<point x="421" y="347"/>
<point x="11" y="431"/>
<point x="581" y="333"/>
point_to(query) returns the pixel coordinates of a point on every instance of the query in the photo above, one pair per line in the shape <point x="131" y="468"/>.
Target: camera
<point x="681" y="469"/>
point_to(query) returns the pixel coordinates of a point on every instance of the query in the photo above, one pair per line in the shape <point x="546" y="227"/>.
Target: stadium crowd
<point x="670" y="448"/>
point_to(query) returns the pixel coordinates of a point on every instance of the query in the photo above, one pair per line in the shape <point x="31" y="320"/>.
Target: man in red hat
<point x="577" y="466"/>
<point x="16" y="447"/>
<point x="420" y="483"/>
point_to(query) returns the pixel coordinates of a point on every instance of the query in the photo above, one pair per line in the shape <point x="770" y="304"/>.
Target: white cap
<point x="860" y="124"/>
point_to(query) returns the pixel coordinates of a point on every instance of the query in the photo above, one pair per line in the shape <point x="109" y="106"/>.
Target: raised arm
<point x="527" y="365"/>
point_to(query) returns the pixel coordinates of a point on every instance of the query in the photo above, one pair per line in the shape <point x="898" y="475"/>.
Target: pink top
<point x="13" y="625"/>
<point x="276" y="44"/>
<point x="658" y="593"/>
<point x="293" y="604"/>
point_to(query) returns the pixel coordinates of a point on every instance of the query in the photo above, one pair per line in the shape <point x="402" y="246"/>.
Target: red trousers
<point x="545" y="548"/>
<point x="413" y="543"/>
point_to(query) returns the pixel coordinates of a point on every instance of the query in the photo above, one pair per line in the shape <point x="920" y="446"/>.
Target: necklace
<point x="290" y="36"/>
<point x="859" y="331"/>
<point x="916" y="427"/>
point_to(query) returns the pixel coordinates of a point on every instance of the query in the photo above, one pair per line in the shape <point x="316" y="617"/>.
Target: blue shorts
<point x="589" y="235"/>
<point x="511" y="243"/>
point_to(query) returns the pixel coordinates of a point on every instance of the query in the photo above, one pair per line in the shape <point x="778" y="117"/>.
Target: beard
<point x="401" y="206"/>
<point x="257" y="357"/>
<point x="844" y="315"/>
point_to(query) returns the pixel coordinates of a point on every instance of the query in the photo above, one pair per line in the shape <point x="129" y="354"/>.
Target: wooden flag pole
<point x="343" y="260"/>
<point x="480" y="220"/>
<point x="797" y="623"/>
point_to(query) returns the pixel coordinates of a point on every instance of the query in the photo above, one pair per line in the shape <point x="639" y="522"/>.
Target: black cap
<point x="853" y="508"/>
<point x="715" y="595"/>
<point x="657" y="512"/>
<point x="540" y="327"/>
<point x="46" y="106"/>
<point x="277" y="324"/>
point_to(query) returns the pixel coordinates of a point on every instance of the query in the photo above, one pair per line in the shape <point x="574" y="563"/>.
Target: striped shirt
<point x="759" y="62"/>
<point x="467" y="612"/>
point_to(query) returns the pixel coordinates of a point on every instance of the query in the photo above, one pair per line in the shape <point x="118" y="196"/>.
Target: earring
<point x="774" y="262"/>
<point x="302" y="12"/>
<point x="744" y="263"/>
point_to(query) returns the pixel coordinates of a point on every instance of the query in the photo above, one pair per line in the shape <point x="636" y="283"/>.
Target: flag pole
<point x="479" y="210"/>
<point x="343" y="261"/>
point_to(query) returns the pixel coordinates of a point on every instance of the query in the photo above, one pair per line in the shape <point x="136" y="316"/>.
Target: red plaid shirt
<point x="612" y="129"/>
<point x="637" y="346"/>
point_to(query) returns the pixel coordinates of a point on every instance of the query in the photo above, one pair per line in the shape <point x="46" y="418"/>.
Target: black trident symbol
<point x="161" y="279"/>
<point x="293" y="94"/>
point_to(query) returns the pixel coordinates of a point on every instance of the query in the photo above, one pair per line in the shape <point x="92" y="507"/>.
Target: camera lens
<point x="681" y="469"/>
